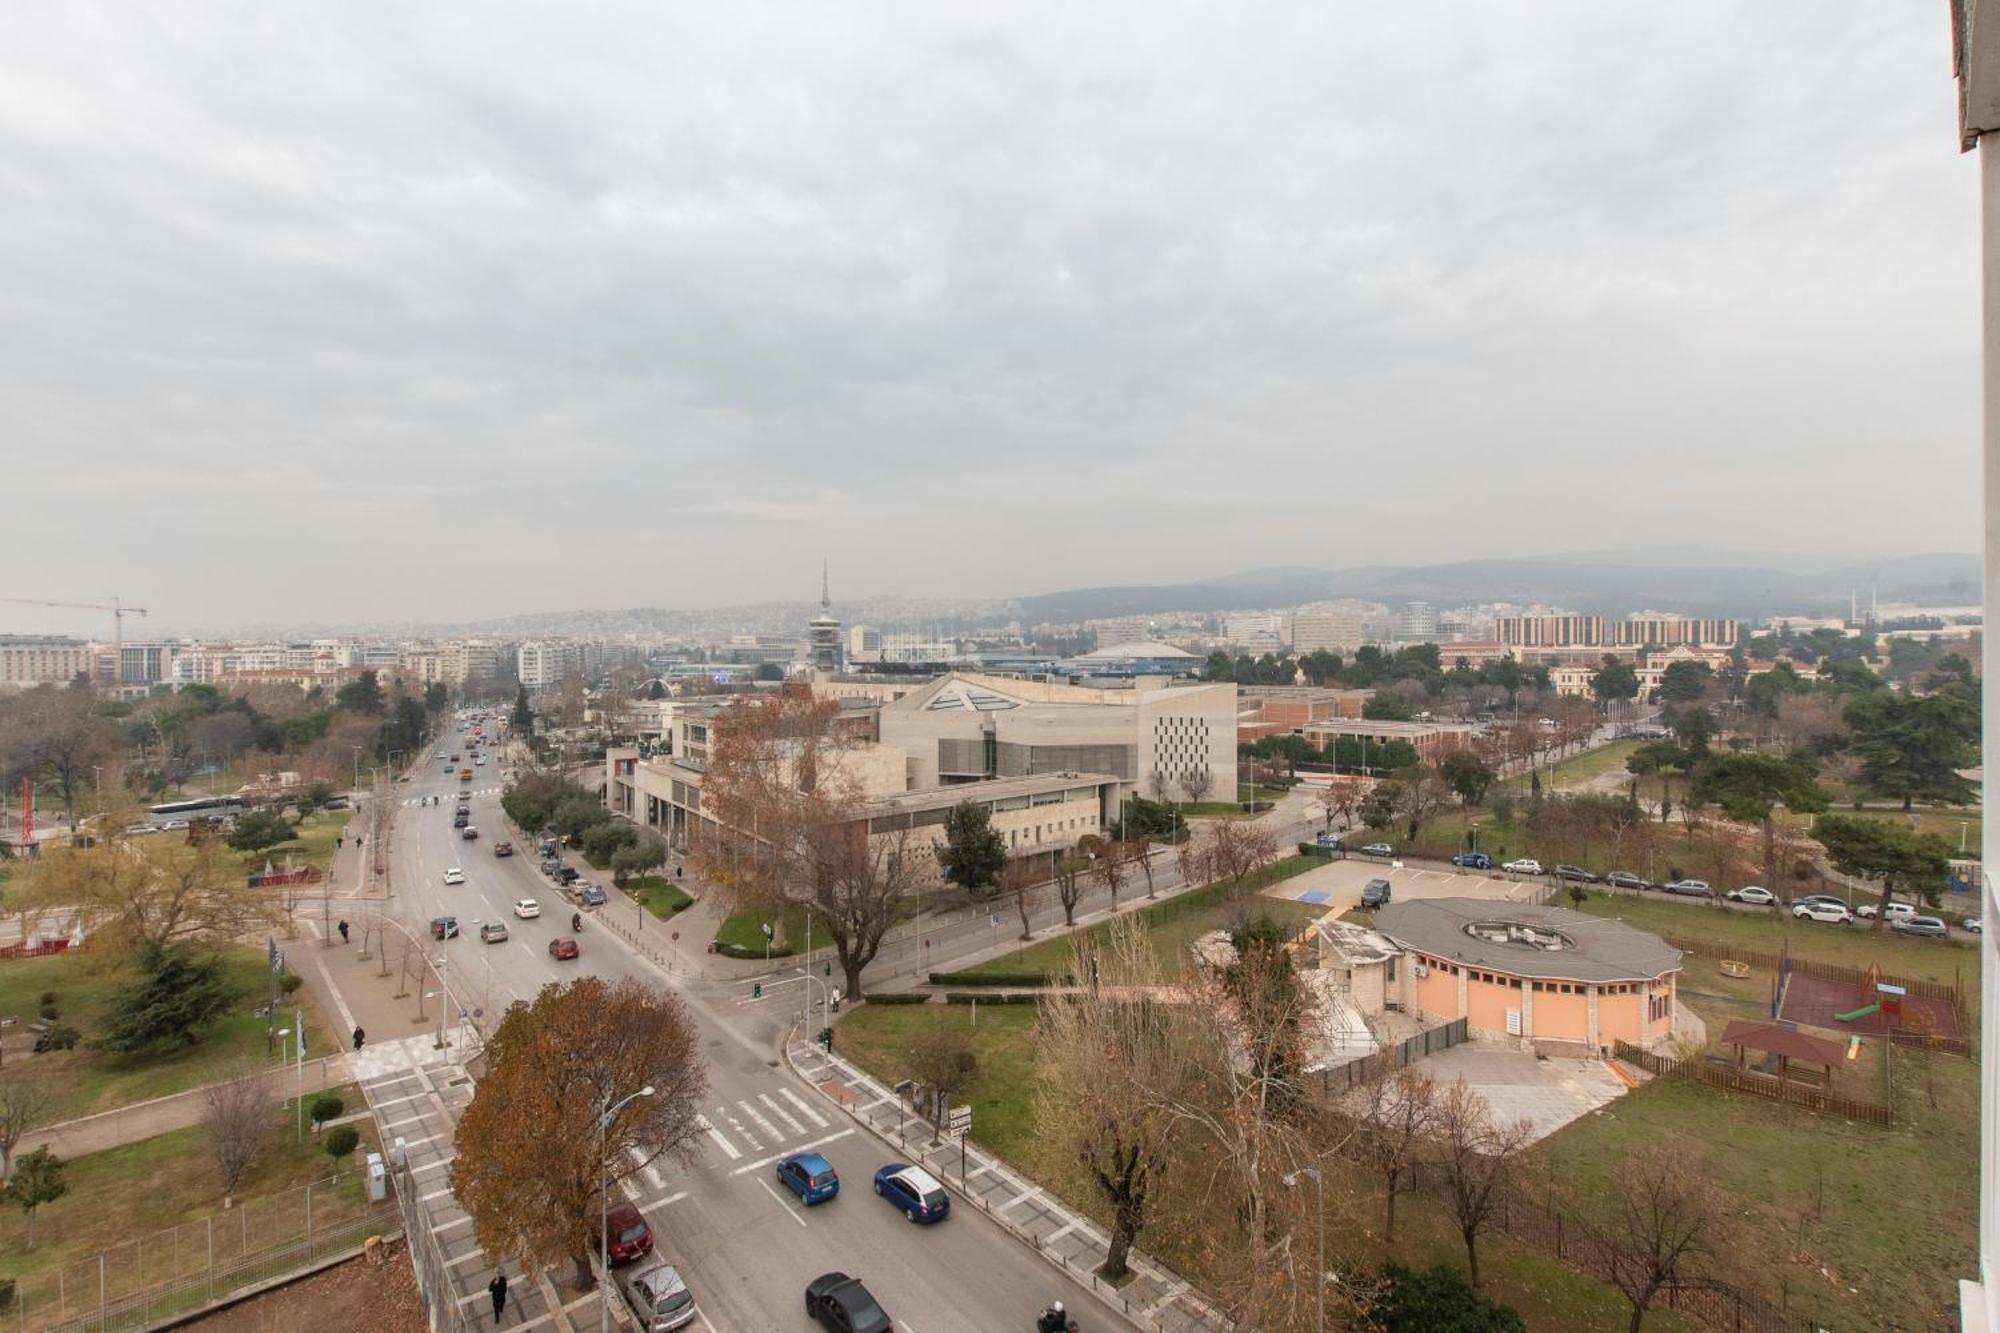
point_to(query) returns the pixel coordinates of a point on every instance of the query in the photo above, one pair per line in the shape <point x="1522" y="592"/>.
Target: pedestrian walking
<point x="497" y="1289"/>
<point x="339" y="841"/>
<point x="359" y="1037"/>
<point x="343" y="932"/>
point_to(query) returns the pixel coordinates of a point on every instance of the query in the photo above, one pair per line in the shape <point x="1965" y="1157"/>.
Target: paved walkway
<point x="1155" y="1298"/>
<point x="162" y="1115"/>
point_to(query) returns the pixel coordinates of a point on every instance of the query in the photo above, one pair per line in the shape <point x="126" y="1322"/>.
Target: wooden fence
<point x="1758" y="1085"/>
<point x="1947" y="991"/>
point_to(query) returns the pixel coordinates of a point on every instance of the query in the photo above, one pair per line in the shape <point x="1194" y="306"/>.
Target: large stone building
<point x="27" y="661"/>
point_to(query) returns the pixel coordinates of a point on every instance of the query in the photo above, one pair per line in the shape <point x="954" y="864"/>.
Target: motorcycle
<point x="1069" y="1322"/>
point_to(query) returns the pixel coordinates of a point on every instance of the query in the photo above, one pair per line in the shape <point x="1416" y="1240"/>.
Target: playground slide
<point x="1862" y="1012"/>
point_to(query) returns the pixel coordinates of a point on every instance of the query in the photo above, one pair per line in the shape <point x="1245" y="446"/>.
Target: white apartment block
<point x="545" y="663"/>
<point x="1335" y="629"/>
<point x="468" y="661"/>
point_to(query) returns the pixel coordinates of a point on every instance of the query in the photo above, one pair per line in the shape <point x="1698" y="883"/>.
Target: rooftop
<point x="1527" y="940"/>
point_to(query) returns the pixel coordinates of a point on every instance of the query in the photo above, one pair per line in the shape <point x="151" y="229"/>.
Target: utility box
<point x="378" y="1179"/>
<point x="396" y="1157"/>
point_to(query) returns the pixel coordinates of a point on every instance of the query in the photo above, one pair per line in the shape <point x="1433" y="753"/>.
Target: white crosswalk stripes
<point x="773" y="1123"/>
<point x="721" y="1141"/>
<point x="800" y="1105"/>
<point x="781" y="1113"/>
<point x="770" y="1130"/>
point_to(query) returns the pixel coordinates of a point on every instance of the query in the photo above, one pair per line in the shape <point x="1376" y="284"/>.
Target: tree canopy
<point x="1911" y="747"/>
<point x="973" y="850"/>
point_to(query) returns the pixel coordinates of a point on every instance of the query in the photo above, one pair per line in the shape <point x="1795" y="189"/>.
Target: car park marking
<point x="814" y="1146"/>
<point x="799" y="1104"/>
<point x="798" y="1217"/>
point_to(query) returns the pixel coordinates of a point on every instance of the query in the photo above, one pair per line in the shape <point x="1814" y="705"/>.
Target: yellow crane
<point x="118" y="611"/>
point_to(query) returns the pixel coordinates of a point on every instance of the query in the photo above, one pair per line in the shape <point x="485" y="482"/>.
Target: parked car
<point x="1831" y="913"/>
<point x="1625" y="879"/>
<point x="503" y="849"/>
<point x="840" y="1304"/>
<point x="658" y="1296"/>
<point x="1920" y="925"/>
<point x="493" y="932"/>
<point x="1473" y="860"/>
<point x="569" y="874"/>
<point x="444" y="927"/>
<point x="590" y="895"/>
<point x="1754" y="894"/>
<point x="914" y="1192"/>
<point x="809" y="1176"/>
<point x="1375" y="893"/>
<point x="526" y="908"/>
<point x="1866" y="911"/>
<point x="1689" y="888"/>
<point x="1526" y="865"/>
<point x="1973" y="924"/>
<point x="563" y="947"/>
<point x="1820" y="898"/>
<point x="627" y="1236"/>
<point x="1574" y="874"/>
<point x="1378" y="849"/>
<point x="454" y="876"/>
<point x="1327" y="841"/>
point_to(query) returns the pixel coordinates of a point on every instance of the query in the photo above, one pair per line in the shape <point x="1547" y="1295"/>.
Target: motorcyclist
<point x="576" y="921"/>
<point x="1053" y="1320"/>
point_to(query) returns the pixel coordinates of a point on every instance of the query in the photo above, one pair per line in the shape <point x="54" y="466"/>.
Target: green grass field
<point x="745" y="931"/>
<point x="880" y="1038"/>
<point x="313" y="844"/>
<point x="1171" y="925"/>
<point x="661" y="896"/>
<point x="86" y="1080"/>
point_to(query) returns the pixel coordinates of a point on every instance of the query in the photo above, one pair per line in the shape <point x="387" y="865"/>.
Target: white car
<point x="454" y="876"/>
<point x="1831" y="913"/>
<point x="1524" y="866"/>
<point x="1755" y="894"/>
<point x="1972" y="924"/>
<point x="527" y="907"/>
<point x="1897" y="911"/>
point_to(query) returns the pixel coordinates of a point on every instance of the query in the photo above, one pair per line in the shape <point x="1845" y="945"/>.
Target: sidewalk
<point x="1154" y="1298"/>
<point x="162" y="1115"/>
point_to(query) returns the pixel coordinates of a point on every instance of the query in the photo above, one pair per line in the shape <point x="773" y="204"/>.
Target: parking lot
<point x="1337" y="884"/>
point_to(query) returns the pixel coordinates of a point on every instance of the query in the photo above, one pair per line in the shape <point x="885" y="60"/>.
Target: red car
<point x="630" y="1237"/>
<point x="563" y="946"/>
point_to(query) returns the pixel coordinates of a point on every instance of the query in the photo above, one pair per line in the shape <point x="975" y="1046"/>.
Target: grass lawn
<point x="661" y="897"/>
<point x="1581" y="768"/>
<point x="745" y="931"/>
<point x="1211" y="810"/>
<point x="880" y="1038"/>
<point x="1173" y="924"/>
<point x="312" y="845"/>
<point x="138" y="1190"/>
<point x="86" y="1080"/>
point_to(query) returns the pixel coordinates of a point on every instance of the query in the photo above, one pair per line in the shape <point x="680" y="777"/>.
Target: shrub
<point x="340" y="1142"/>
<point x="1314" y="849"/>
<point x="900" y="997"/>
<point x="62" y="1037"/>
<point x="326" y="1107"/>
<point x="6" y="1293"/>
<point x="48" y="1012"/>
<point x="48" y="997"/>
<point x="290" y="981"/>
<point x="738" y="951"/>
<point x="990" y="978"/>
<point x="1003" y="997"/>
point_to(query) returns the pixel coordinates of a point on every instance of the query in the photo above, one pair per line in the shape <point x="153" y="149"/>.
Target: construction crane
<point x="118" y="612"/>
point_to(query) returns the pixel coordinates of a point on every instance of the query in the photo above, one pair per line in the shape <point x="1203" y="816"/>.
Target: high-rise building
<point x="1419" y="622"/>
<point x="545" y="663"/>
<point x="863" y="640"/>
<point x="1334" y="629"/>
<point x="823" y="632"/>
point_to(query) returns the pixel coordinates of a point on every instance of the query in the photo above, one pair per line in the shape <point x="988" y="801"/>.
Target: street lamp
<point x="1319" y="1273"/>
<point x="611" y="1111"/>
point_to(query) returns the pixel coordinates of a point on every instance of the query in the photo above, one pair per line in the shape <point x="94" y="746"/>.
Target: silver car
<point x="658" y="1296"/>
<point x="1920" y="925"/>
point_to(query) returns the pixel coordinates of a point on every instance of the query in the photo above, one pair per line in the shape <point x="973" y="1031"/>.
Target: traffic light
<point x="826" y="1039"/>
<point x="756" y="990"/>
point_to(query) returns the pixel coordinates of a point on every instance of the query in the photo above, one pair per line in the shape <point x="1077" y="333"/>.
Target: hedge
<point x="899" y="997"/>
<point x="1314" y="849"/>
<point x="974" y="997"/>
<point x="738" y="951"/>
<point x="992" y="978"/>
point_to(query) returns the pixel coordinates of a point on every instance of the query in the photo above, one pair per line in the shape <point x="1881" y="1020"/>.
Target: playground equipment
<point x="1729" y="967"/>
<point x="1862" y="1012"/>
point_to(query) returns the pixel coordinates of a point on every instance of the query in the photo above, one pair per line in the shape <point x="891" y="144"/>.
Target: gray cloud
<point x="352" y="311"/>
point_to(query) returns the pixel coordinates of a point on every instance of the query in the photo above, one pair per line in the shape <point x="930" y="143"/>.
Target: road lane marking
<point x="720" y="1142"/>
<point x="799" y="1105"/>
<point x="737" y="1125"/>
<point x="781" y="1112"/>
<point x="790" y="1152"/>
<point x="796" y="1216"/>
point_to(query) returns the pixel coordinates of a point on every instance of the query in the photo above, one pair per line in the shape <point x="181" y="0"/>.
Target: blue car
<point x="809" y="1176"/>
<point x="916" y="1193"/>
<point x="1473" y="860"/>
<point x="591" y="896"/>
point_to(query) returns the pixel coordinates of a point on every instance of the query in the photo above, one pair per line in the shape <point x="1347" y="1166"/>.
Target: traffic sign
<point x="961" y="1120"/>
<point x="677" y="934"/>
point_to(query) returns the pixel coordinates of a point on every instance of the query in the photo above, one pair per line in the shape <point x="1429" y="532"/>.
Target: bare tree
<point x="1109" y="870"/>
<point x="1474" y="1158"/>
<point x="1139" y="852"/>
<point x="1424" y="793"/>
<point x="1021" y="882"/>
<point x="238" y="1116"/>
<point x="1335" y="799"/>
<point x="1197" y="782"/>
<point x="943" y="1061"/>
<point x="1070" y="869"/>
<point x="25" y="1101"/>
<point x="134" y="892"/>
<point x="1234" y="851"/>
<point x="1664" y="1212"/>
<point x="1398" y="1117"/>
<point x="56" y="734"/>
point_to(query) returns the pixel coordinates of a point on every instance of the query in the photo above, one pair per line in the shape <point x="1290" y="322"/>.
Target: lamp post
<point x="1319" y="1273"/>
<point x="611" y="1111"/>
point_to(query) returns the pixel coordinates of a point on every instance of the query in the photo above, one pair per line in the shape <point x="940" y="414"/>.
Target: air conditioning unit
<point x="1421" y="970"/>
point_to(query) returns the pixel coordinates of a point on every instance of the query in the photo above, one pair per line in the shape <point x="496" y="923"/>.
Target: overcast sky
<point x="364" y="310"/>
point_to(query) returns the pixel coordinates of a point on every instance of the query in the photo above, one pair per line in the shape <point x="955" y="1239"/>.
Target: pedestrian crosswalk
<point x="463" y="791"/>
<point x="755" y="1126"/>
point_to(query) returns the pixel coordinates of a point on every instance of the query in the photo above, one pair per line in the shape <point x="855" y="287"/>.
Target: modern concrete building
<point x="1432" y="740"/>
<point x="1335" y="629"/>
<point x="1565" y="630"/>
<point x="1154" y="738"/>
<point x="1552" y="978"/>
<point x="1140" y="657"/>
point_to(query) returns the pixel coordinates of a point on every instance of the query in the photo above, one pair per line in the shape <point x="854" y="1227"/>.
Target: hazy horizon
<point x="382" y="315"/>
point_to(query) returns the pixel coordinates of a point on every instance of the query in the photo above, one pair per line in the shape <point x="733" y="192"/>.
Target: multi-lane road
<point x="747" y="1247"/>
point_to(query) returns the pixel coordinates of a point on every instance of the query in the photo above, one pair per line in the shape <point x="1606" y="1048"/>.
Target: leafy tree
<point x="404" y="729"/>
<point x="1386" y="708"/>
<point x="37" y="1179"/>
<point x="341" y="1142"/>
<point x="603" y="841"/>
<point x="1878" y="849"/>
<point x="260" y="829"/>
<point x="1321" y="667"/>
<point x="522" y="719"/>
<point x="311" y="798"/>
<point x="436" y="697"/>
<point x="1468" y="775"/>
<point x="1661" y="759"/>
<point x="563" y="1059"/>
<point x="1292" y="749"/>
<point x="973" y="850"/>
<point x="1379" y="807"/>
<point x="643" y="857"/>
<point x="1219" y="667"/>
<point x="1686" y="681"/>
<point x="1438" y="1300"/>
<point x="655" y="690"/>
<point x="1763" y="692"/>
<point x="1614" y="680"/>
<point x="1912" y="747"/>
<point x="327" y="1106"/>
<point x="1694" y="728"/>
<point x="363" y="694"/>
<point x="575" y="815"/>
<point x="1149" y="819"/>
<point x="179" y="991"/>
<point x="768" y="671"/>
<point x="1750" y="786"/>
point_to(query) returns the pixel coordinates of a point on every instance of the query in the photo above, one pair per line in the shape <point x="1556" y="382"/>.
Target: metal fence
<point x="1342" y="1078"/>
<point x="427" y="1259"/>
<point x="180" y="1270"/>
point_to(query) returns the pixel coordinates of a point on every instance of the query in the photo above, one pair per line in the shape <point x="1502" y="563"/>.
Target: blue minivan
<point x="809" y="1176"/>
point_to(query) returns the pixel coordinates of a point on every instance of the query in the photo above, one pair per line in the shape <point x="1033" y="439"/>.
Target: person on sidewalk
<point x="359" y="1037"/>
<point x="497" y="1289"/>
<point x="343" y="932"/>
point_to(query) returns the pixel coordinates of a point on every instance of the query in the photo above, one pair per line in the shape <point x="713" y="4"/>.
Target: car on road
<point x="455" y="758"/>
<point x="1625" y="879"/>
<point x="840" y="1304"/>
<point x="659" y="1297"/>
<point x="460" y="820"/>
<point x="1526" y="865"/>
<point x="1754" y="894"/>
<point x="1932" y="926"/>
<point x="1473" y="861"/>
<point x="468" y="833"/>
<point x="1378" y="849"/>
<point x="527" y="908"/>
<point x="444" y="927"/>
<point x="1689" y="888"/>
<point x="1866" y="911"/>
<point x="1375" y="893"/>
<point x="454" y="876"/>
<point x="590" y="895"/>
<point x="1827" y="898"/>
<point x="503" y="848"/>
<point x="1831" y="913"/>
<point x="913" y="1191"/>
<point x="809" y="1176"/>
<point x="1575" y="874"/>
<point x="563" y="946"/>
<point x="480" y="761"/>
<point x="493" y="932"/>
<point x="627" y="1236"/>
<point x="1973" y="924"/>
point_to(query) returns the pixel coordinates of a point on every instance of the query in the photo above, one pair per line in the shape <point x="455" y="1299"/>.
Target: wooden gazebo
<point x="1788" y="1044"/>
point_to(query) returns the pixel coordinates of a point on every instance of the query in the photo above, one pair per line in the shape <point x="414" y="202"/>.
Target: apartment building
<point x="27" y="661"/>
<point x="1569" y="630"/>
<point x="1334" y="629"/>
<point x="543" y="664"/>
